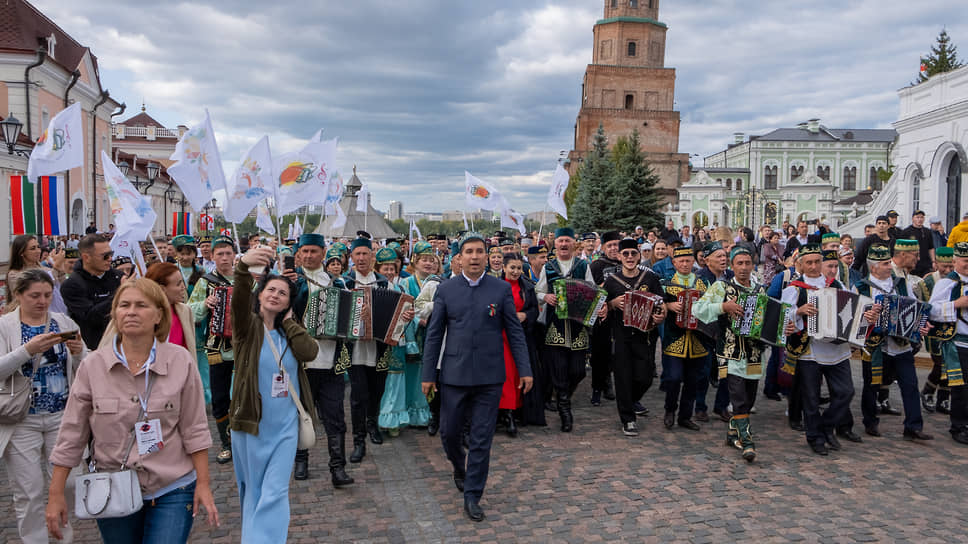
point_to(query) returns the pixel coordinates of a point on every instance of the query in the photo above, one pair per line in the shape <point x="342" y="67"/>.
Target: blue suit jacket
<point x="473" y="318"/>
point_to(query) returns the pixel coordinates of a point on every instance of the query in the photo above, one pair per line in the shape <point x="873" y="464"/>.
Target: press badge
<point x="280" y="385"/>
<point x="148" y="435"/>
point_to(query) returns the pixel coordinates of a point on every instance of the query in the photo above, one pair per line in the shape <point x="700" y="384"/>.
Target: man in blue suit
<point x="472" y="309"/>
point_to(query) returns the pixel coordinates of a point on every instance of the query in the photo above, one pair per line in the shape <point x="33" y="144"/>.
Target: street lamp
<point x="168" y="197"/>
<point x="11" y="131"/>
<point x="152" y="168"/>
<point x="124" y="167"/>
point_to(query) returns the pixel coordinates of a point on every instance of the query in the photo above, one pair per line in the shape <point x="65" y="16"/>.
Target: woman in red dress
<point x="525" y="304"/>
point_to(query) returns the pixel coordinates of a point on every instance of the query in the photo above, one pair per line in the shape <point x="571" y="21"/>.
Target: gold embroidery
<point x="553" y="337"/>
<point x="343" y="362"/>
<point x="581" y="342"/>
<point x="384" y="363"/>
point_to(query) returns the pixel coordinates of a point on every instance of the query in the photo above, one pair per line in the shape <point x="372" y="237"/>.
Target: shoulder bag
<point x="307" y="433"/>
<point x="16" y="392"/>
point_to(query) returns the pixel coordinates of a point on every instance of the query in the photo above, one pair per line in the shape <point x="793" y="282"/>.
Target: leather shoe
<point x="819" y="448"/>
<point x="473" y="510"/>
<point x="850" y="435"/>
<point x="433" y="425"/>
<point x="796" y="426"/>
<point x="873" y="431"/>
<point x="702" y="416"/>
<point x="960" y="437"/>
<point x="688" y="424"/>
<point x="832" y="442"/>
<point x="887" y="409"/>
<point x="773" y="396"/>
<point x="596" y="398"/>
<point x="724" y="416"/>
<point x="459" y="479"/>
<point x="916" y="435"/>
<point x="669" y="420"/>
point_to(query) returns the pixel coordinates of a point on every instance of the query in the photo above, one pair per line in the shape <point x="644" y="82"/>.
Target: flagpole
<point x="152" y="238"/>
<point x="544" y="212"/>
<point x="235" y="234"/>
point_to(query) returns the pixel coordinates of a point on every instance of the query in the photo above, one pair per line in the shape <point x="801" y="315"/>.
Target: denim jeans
<point x="167" y="519"/>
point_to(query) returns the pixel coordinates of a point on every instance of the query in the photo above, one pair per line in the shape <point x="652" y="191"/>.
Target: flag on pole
<point x="60" y="147"/>
<point x="251" y="183"/>
<point x="556" y="193"/>
<point x="414" y="232"/>
<point x="292" y="232"/>
<point x="334" y="192"/>
<point x="24" y="196"/>
<point x="340" y="217"/>
<point x="465" y="220"/>
<point x="512" y="219"/>
<point x="301" y="177"/>
<point x="480" y="194"/>
<point x="297" y="230"/>
<point x="181" y="223"/>
<point x="362" y="198"/>
<point x="198" y="166"/>
<point x="131" y="211"/>
<point x="262" y="218"/>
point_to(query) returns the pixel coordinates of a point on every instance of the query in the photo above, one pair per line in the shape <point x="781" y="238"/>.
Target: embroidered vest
<point x="563" y="333"/>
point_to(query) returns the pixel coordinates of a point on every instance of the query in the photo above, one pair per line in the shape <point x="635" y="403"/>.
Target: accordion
<point x="685" y="319"/>
<point x="640" y="310"/>
<point x="221" y="323"/>
<point x="901" y="317"/>
<point x="380" y="318"/>
<point x="839" y="316"/>
<point x="334" y="313"/>
<point x="764" y="318"/>
<point x="578" y="300"/>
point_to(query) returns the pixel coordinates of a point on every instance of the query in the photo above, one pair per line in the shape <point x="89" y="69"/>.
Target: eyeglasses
<point x="107" y="256"/>
<point x="630" y="253"/>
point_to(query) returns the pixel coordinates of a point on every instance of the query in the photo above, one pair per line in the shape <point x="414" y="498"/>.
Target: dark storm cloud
<point x="419" y="91"/>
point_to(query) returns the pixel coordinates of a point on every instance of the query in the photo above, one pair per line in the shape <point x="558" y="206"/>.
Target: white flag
<point x="301" y="177"/>
<point x="60" y="147"/>
<point x="479" y="193"/>
<point x="465" y="220"/>
<point x="340" y="217"/>
<point x="131" y="211"/>
<point x="127" y="244"/>
<point x="512" y="220"/>
<point x="198" y="165"/>
<point x="262" y="218"/>
<point x="251" y="183"/>
<point x="297" y="230"/>
<point x="292" y="231"/>
<point x="414" y="232"/>
<point x="362" y="197"/>
<point x="556" y="194"/>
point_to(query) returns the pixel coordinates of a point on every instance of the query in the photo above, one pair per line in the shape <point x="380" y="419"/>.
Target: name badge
<point x="148" y="436"/>
<point x="280" y="385"/>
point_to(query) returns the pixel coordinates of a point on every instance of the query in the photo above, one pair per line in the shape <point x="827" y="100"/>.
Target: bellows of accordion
<point x="764" y="318"/>
<point x="578" y="300"/>
<point x="221" y="322"/>
<point x="901" y="317"/>
<point x="840" y="316"/>
<point x="367" y="313"/>
<point x="640" y="310"/>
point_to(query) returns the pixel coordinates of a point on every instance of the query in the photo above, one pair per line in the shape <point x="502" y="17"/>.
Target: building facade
<point x="396" y="210"/>
<point x="627" y="87"/>
<point x="809" y="172"/>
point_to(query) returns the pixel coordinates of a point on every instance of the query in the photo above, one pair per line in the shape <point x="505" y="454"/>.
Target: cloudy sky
<point x="419" y="91"/>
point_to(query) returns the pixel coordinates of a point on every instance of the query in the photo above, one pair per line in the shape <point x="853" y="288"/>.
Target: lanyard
<point x="146" y="368"/>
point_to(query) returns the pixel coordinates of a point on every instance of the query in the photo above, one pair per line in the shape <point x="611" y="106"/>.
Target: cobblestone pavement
<point x="596" y="485"/>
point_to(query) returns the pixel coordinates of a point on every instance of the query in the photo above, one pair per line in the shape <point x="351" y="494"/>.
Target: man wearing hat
<point x="715" y="269"/>
<point x="949" y="306"/>
<point x="892" y="230"/>
<point x="368" y="371"/>
<point x="566" y="342"/>
<point x="601" y="349"/>
<point x="923" y="236"/>
<point x="634" y="350"/>
<point x="124" y="265"/>
<point x="939" y="237"/>
<point x="221" y="358"/>
<point x="589" y="246"/>
<point x="475" y="312"/>
<point x="185" y="256"/>
<point x="880" y="236"/>
<point x="537" y="257"/>
<point x="205" y="252"/>
<point x="738" y="358"/>
<point x="935" y="393"/>
<point x="887" y="358"/>
<point x="809" y="360"/>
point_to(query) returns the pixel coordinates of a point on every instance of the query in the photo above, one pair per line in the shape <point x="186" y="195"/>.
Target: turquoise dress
<point x="263" y="463"/>
<point x="403" y="401"/>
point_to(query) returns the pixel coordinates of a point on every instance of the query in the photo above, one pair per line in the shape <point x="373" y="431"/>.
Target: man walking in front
<point x="472" y="310"/>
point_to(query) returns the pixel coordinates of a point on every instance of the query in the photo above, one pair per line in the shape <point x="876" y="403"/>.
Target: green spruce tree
<point x="636" y="199"/>
<point x="943" y="58"/>
<point x="590" y="209"/>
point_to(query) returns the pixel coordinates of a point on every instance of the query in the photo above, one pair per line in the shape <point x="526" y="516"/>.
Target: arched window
<point x="631" y="51"/>
<point x="629" y="101"/>
<point x="916" y="192"/>
<point x="850" y="178"/>
<point x="875" y="181"/>
<point x="769" y="177"/>
<point x="823" y="172"/>
<point x="729" y="184"/>
<point x="796" y="172"/>
<point x="633" y="3"/>
<point x="739" y="185"/>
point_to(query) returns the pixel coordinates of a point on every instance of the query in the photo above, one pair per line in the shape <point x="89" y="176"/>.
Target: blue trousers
<point x="902" y="368"/>
<point x="167" y="519"/>
<point x="679" y="379"/>
<point x="477" y="404"/>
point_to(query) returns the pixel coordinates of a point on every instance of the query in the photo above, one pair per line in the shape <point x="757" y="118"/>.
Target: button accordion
<point x="578" y="300"/>
<point x="641" y="309"/>
<point x="764" y="318"/>
<point x="335" y="314"/>
<point x="685" y="318"/>
<point x="221" y="323"/>
<point x="839" y="316"/>
<point x="901" y="317"/>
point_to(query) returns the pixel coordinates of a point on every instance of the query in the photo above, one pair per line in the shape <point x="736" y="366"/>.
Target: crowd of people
<point x="107" y="347"/>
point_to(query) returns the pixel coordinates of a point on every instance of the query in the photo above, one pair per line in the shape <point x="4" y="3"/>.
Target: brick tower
<point x="627" y="86"/>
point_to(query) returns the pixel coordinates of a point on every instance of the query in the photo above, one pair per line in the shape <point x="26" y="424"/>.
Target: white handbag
<point x="110" y="494"/>
<point x="307" y="432"/>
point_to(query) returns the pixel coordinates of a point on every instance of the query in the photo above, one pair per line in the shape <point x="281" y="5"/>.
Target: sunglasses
<point x="630" y="253"/>
<point x="107" y="256"/>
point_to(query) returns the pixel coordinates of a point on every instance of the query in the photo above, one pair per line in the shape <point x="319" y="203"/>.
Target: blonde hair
<point x="723" y="234"/>
<point x="156" y="295"/>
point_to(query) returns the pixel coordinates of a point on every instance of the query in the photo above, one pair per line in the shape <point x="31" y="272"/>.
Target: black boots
<point x="301" y="470"/>
<point x="359" y="446"/>
<point x="564" y="411"/>
<point x="433" y="425"/>
<point x="507" y="418"/>
<point x="374" y="431"/>
<point x="337" y="460"/>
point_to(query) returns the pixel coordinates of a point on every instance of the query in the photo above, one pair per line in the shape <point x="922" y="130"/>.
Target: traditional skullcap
<point x="340" y="247"/>
<point x="961" y="249"/>
<point x="738" y="250"/>
<point x="385" y="255"/>
<point x="844" y="251"/>
<point x="494" y="250"/>
<point x="72" y="253"/>
<point x="537" y="250"/>
<point x="829" y="237"/>
<point x="906" y="245"/>
<point x="423" y="248"/>
<point x="312" y="239"/>
<point x="611" y="236"/>
<point x="118" y="261"/>
<point x="809" y="249"/>
<point x="879" y="253"/>
<point x="628" y="243"/>
<point x="333" y="253"/>
<point x="505" y="242"/>
<point x="223" y="240"/>
<point x="361" y="242"/>
<point x="711" y="247"/>
<point x="684" y="251"/>
<point x="467" y="237"/>
<point x="944" y="254"/>
<point x="565" y="231"/>
<point x="183" y="240"/>
<point x="830" y="255"/>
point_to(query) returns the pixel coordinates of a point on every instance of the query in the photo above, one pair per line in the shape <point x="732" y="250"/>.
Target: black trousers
<point x="634" y="367"/>
<point x="959" y="399"/>
<point x="601" y="355"/>
<point x="841" y="387"/>
<point x="478" y="404"/>
<point x="933" y="384"/>
<point x="366" y="390"/>
<point x="795" y="400"/>
<point x="220" y="380"/>
<point x="901" y="368"/>
<point x="435" y="402"/>
<point x="567" y="369"/>
<point x="329" y="390"/>
<point x="742" y="393"/>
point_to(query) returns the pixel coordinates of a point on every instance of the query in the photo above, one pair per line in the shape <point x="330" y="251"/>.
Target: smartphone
<point x="69" y="335"/>
<point x="289" y="263"/>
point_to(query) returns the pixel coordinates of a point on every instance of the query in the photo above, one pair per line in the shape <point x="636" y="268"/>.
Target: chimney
<point x="802" y="126"/>
<point x="813" y="125"/>
<point x="738" y="137"/>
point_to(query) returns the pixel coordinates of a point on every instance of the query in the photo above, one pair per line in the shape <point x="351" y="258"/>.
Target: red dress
<point x="510" y="394"/>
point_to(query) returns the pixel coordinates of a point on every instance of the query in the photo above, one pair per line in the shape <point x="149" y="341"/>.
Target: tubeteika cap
<point x="684" y="251"/>
<point x="628" y="243"/>
<point x="830" y="255"/>
<point x="906" y="245"/>
<point x="944" y="254"/>
<point x="361" y="242"/>
<point x="809" y="249"/>
<point x="961" y="249"/>
<point x="879" y="253"/>
<point x="565" y="231"/>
